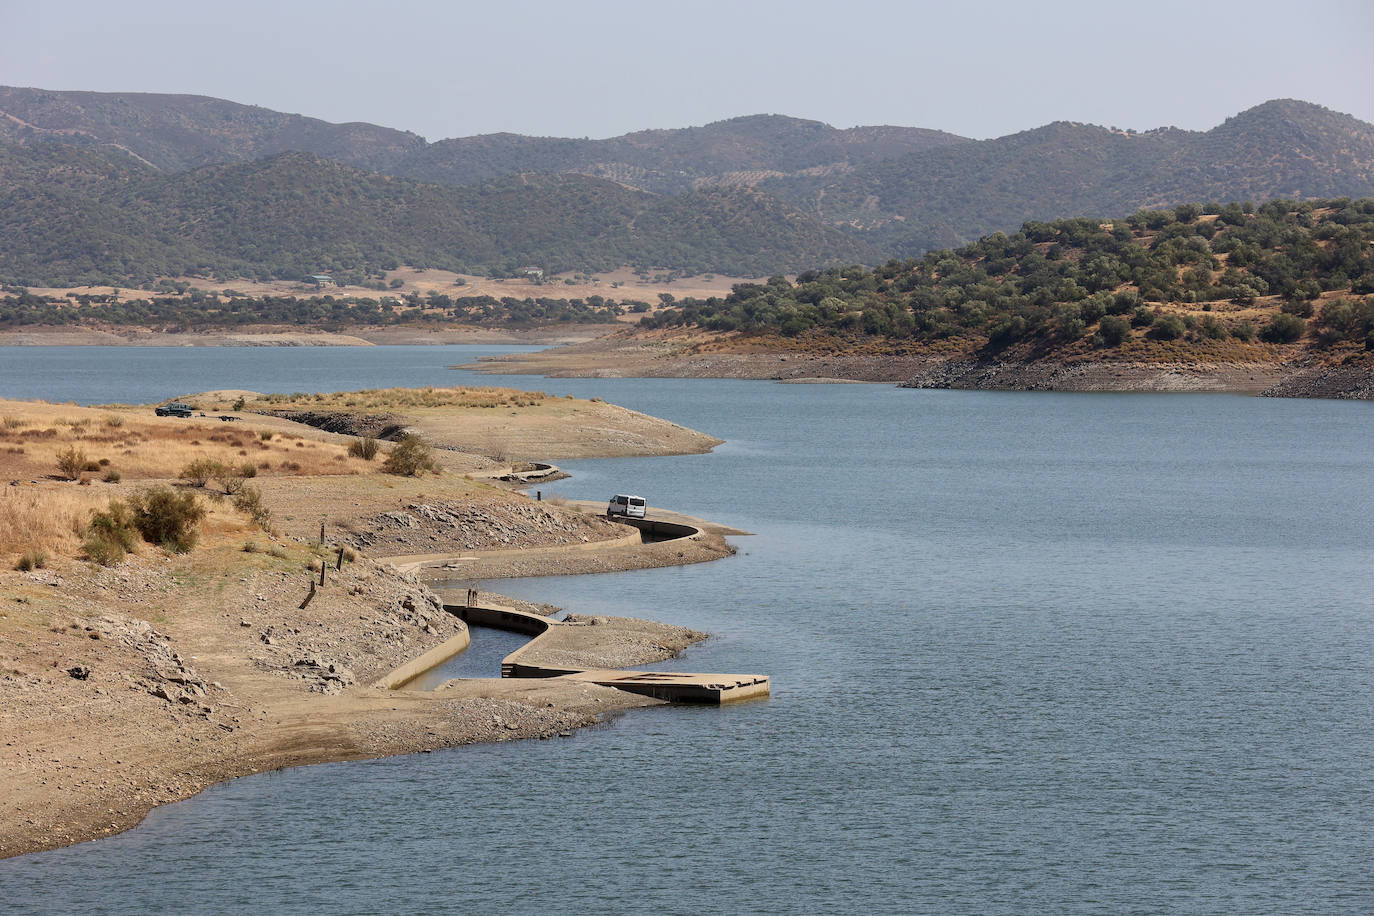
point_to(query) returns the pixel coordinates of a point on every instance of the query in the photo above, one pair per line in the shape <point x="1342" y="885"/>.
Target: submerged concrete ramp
<point x="675" y="687"/>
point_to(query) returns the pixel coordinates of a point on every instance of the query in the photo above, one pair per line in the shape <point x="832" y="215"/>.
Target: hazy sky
<point x="605" y="67"/>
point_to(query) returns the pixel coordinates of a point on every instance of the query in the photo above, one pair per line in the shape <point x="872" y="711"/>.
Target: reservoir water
<point x="1029" y="653"/>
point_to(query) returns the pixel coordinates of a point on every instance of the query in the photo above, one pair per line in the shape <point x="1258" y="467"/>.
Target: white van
<point x="628" y="506"/>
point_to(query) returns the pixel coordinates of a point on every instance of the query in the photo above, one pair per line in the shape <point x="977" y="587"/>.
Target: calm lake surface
<point x="1030" y="653"/>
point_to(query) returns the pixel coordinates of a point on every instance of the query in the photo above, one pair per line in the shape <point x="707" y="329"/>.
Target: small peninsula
<point x="193" y="598"/>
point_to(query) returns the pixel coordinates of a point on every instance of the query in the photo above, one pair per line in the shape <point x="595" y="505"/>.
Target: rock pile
<point x="426" y="527"/>
<point x="379" y="426"/>
<point x="167" y="676"/>
<point x="367" y="620"/>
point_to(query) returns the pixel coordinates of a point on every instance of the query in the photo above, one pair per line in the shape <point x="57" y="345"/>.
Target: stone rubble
<point x="431" y="527"/>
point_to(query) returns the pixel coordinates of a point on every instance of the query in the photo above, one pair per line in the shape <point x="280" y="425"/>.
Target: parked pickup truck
<point x="628" y="506"/>
<point x="175" y="409"/>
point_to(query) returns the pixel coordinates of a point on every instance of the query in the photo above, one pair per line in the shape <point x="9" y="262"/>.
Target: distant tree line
<point x="201" y="311"/>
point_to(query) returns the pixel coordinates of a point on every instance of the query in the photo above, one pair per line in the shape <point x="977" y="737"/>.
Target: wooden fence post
<point x="310" y="595"/>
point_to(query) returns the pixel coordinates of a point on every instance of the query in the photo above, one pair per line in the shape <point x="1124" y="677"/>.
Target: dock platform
<point x="676" y="687"/>
<point x="672" y="686"/>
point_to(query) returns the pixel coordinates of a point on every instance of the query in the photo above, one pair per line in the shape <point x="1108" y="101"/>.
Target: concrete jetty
<point x="675" y="687"/>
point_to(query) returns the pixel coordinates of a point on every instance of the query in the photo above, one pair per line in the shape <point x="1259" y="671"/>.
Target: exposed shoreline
<point x="597" y="351"/>
<point x="127" y="687"/>
<point x="1347" y="374"/>
<point x="258" y="722"/>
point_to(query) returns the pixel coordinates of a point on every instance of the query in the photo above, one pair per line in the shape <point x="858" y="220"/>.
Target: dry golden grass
<point x="140" y="446"/>
<point x="45" y="514"/>
<point x="50" y="520"/>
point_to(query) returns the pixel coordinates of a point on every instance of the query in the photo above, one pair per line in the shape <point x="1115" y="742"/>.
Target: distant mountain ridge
<point x="668" y="161"/>
<point x="146" y="179"/>
<point x="177" y="133"/>
<point x="949" y="196"/>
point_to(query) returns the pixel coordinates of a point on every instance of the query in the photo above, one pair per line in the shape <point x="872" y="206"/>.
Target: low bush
<point x="249" y="501"/>
<point x="113" y="476"/>
<point x="1168" y="327"/>
<point x="199" y="472"/>
<point x="1284" y="328"/>
<point x="1114" y="331"/>
<point x="266" y="435"/>
<point x="71" y="461"/>
<point x="111" y="534"/>
<point x="365" y="448"/>
<point x="101" y="549"/>
<point x="411" y="457"/>
<point x="232" y="478"/>
<point x="1212" y="329"/>
<point x="31" y="559"/>
<point x="168" y="518"/>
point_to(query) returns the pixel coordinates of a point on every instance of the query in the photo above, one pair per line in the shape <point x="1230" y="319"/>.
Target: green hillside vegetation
<point x="672" y="161"/>
<point x="177" y="133"/>
<point x="202" y="311"/>
<point x="1283" y="272"/>
<point x="73" y="217"/>
<point x="123" y="187"/>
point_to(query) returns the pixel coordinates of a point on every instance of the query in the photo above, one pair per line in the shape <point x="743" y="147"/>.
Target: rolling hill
<point x="73" y="216"/>
<point x="916" y="202"/>
<point x="119" y="186"/>
<point x="177" y="133"/>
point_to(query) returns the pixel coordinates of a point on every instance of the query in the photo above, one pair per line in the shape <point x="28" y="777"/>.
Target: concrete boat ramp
<point x="716" y="689"/>
<point x="675" y="687"/>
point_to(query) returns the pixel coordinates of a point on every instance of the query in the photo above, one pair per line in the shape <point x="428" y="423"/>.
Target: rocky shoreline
<point x="150" y="715"/>
<point x="994" y="375"/>
<point x="1344" y="374"/>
